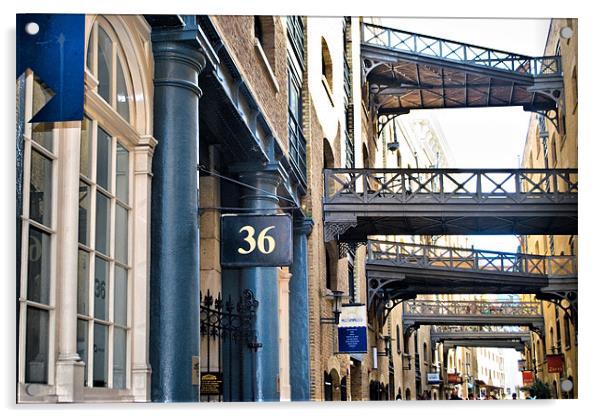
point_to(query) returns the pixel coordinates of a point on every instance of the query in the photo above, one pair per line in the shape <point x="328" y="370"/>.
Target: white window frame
<point x="104" y="115"/>
<point x="29" y="145"/>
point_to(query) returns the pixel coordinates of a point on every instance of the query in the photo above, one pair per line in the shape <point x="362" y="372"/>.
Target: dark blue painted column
<point x="174" y="311"/>
<point x="299" y="313"/>
<point x="263" y="366"/>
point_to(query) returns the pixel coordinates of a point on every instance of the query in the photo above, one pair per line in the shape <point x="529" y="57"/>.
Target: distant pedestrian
<point x="455" y="396"/>
<point x="514" y="396"/>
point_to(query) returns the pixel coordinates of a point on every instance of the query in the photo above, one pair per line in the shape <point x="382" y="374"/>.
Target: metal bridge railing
<point x="393" y="186"/>
<point x="481" y="329"/>
<point x="471" y="308"/>
<point x="429" y="46"/>
<point x="451" y="258"/>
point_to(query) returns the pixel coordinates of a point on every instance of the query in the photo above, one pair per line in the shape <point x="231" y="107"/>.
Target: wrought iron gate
<point x="228" y="347"/>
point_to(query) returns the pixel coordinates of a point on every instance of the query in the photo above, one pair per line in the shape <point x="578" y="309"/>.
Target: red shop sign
<point x="527" y="377"/>
<point x="454" y="378"/>
<point x="555" y="363"/>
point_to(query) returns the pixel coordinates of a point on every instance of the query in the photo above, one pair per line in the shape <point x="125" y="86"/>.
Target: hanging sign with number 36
<point x="256" y="240"/>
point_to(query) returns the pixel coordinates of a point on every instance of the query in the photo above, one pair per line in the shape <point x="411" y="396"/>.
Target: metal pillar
<point x="174" y="292"/>
<point x="299" y="313"/>
<point x="263" y="364"/>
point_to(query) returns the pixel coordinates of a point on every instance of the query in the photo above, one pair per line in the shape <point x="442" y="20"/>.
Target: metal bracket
<point x="368" y="65"/>
<point x="346" y="247"/>
<point x="381" y="124"/>
<point x="393" y="303"/>
<point x="552" y="116"/>
<point x="556" y="297"/>
<point x="332" y="230"/>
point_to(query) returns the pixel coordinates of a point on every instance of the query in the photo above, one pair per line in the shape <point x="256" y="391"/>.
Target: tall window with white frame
<point x="36" y="289"/>
<point x="104" y="220"/>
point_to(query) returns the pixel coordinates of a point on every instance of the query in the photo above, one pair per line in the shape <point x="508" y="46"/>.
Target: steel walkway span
<point x="398" y="271"/>
<point x="363" y="202"/>
<point x="406" y="71"/>
<point x="472" y="312"/>
<point x="480" y="336"/>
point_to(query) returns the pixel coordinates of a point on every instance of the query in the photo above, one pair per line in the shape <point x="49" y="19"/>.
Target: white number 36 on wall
<point x="264" y="243"/>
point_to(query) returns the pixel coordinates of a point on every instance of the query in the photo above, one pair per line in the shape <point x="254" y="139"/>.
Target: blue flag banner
<point x="352" y="329"/>
<point x="52" y="46"/>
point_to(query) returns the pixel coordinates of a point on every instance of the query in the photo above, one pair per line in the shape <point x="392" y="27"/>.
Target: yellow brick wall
<point x="565" y="145"/>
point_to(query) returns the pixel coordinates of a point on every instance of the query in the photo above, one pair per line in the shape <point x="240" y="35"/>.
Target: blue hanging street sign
<point x="352" y="329"/>
<point x="256" y="240"/>
<point x="52" y="46"/>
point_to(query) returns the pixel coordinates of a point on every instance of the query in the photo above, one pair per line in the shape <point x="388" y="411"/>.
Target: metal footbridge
<point x="362" y="202"/>
<point x="452" y="336"/>
<point x="397" y="271"/>
<point x="472" y="312"/>
<point x="406" y="70"/>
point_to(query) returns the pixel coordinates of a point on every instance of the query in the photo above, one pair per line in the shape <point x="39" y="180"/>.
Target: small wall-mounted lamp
<point x="337" y="296"/>
<point x="387" y="351"/>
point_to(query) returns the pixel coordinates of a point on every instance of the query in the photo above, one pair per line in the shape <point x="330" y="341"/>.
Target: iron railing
<point x="424" y="186"/>
<point x="471" y="308"/>
<point x="228" y="336"/>
<point x="433" y="47"/>
<point x="481" y="329"/>
<point x="462" y="259"/>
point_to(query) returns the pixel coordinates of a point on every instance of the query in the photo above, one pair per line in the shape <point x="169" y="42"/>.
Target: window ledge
<point x="266" y="65"/>
<point x="328" y="91"/>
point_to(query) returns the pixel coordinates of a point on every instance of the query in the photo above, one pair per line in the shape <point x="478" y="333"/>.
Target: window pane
<point x="84" y="213"/>
<point x="82" y="344"/>
<point x="122" y="173"/>
<point x="83" y="282"/>
<point x="41" y="132"/>
<point x="40" y="192"/>
<point x="119" y="357"/>
<point x="123" y="105"/>
<point x="102" y="223"/>
<point x="36" y="346"/>
<point x="101" y="344"/>
<point x="89" y="53"/>
<point x="38" y="267"/>
<point x="101" y="289"/>
<point x="103" y="159"/>
<point x="121" y="234"/>
<point x="85" y="149"/>
<point x="105" y="63"/>
<point x="121" y="295"/>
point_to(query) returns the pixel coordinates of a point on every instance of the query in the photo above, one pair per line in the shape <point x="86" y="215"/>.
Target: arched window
<point x="106" y="62"/>
<point x="110" y="132"/>
<point x="398" y="335"/>
<point x="326" y="66"/>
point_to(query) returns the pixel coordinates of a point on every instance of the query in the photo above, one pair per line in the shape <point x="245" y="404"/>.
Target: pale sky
<point x="483" y="137"/>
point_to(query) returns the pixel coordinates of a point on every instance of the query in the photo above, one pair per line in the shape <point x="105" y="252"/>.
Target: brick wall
<point x="239" y="37"/>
